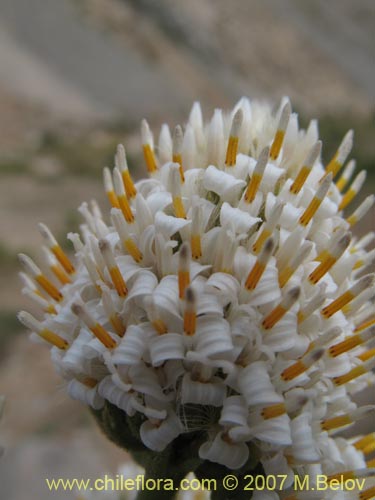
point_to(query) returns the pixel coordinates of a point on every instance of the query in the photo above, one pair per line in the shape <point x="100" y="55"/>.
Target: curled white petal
<point x="88" y="395"/>
<point x="131" y="347"/>
<point x="256" y="385"/>
<point x="225" y="286"/>
<point x="166" y="347"/>
<point x="278" y="467"/>
<point x="158" y="436"/>
<point x="111" y="392"/>
<point x="275" y="431"/>
<point x="303" y="443"/>
<point x="234" y="412"/>
<point x="169" y="225"/>
<point x="210" y="393"/>
<point x="236" y="219"/>
<point x="213" y="337"/>
<point x="232" y="455"/>
<point x="221" y="183"/>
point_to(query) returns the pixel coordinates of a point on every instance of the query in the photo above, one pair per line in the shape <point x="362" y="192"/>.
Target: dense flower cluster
<point x="226" y="293"/>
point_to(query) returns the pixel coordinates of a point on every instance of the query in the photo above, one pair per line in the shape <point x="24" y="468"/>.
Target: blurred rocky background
<point x="76" y="77"/>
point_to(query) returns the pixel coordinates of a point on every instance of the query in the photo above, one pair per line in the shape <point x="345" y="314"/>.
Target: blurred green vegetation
<point x="13" y="166"/>
<point x="8" y="258"/>
<point x="78" y="155"/>
<point x="9" y="327"/>
<point x="86" y="154"/>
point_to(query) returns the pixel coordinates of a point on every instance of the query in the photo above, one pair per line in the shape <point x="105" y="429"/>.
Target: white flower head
<point x="225" y="293"/>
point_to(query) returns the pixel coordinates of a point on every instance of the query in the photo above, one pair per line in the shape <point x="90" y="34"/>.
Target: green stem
<point x="166" y="468"/>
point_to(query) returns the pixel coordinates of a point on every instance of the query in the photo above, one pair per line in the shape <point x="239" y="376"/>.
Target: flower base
<point x="176" y="461"/>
